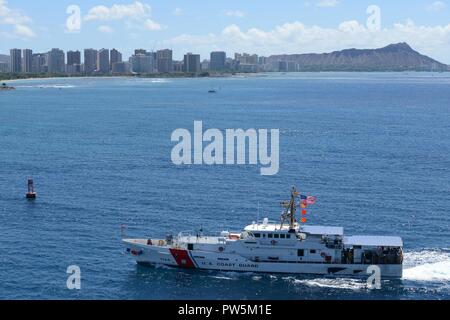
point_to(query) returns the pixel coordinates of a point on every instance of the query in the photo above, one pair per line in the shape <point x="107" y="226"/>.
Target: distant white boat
<point x="270" y="247"/>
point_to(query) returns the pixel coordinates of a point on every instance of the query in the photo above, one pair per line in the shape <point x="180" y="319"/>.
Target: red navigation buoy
<point x="31" y="194"/>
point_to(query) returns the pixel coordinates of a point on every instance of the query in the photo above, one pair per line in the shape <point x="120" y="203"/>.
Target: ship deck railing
<point x="213" y="238"/>
<point x="202" y="239"/>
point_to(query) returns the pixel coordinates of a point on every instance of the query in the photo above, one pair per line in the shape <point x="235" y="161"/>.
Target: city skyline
<point x="394" y="57"/>
<point x="232" y="26"/>
<point x="105" y="61"/>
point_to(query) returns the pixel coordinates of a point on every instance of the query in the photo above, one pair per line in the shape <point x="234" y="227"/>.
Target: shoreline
<point x="226" y="75"/>
<point x="17" y="77"/>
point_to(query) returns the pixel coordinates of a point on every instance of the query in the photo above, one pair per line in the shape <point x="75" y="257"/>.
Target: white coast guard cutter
<point x="270" y="247"/>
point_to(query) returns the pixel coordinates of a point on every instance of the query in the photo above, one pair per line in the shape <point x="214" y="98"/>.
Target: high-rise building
<point x="217" y="62"/>
<point x="142" y="63"/>
<point x="164" y="61"/>
<point x="205" y="65"/>
<point x="262" y="60"/>
<point x="282" y="66"/>
<point x="232" y="64"/>
<point x="178" y="66"/>
<point x="121" y="67"/>
<point x="73" y="62"/>
<point x="39" y="63"/>
<point x="90" y="61"/>
<point x="56" y="61"/>
<point x="4" y="67"/>
<point x="246" y="58"/>
<point x="140" y="51"/>
<point x="115" y="57"/>
<point x="73" y="58"/>
<point x="27" y="60"/>
<point x="191" y="63"/>
<point x="103" y="61"/>
<point x="16" y="60"/>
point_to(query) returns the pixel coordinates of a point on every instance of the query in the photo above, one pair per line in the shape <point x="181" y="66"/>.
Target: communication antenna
<point x="257" y="217"/>
<point x="288" y="215"/>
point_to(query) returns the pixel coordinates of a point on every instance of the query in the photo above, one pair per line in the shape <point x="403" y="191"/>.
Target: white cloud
<point x="18" y="21"/>
<point x="105" y="29"/>
<point x="23" y="31"/>
<point x="135" y="10"/>
<point x="178" y="12"/>
<point x="351" y="26"/>
<point x="437" y="6"/>
<point x="297" y="37"/>
<point x="151" y="25"/>
<point x="235" y="13"/>
<point x="136" y="16"/>
<point x="327" y="3"/>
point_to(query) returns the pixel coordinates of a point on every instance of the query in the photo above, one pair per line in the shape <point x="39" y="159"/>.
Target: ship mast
<point x="290" y="208"/>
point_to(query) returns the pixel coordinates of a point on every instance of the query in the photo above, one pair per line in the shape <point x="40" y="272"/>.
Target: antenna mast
<point x="290" y="208"/>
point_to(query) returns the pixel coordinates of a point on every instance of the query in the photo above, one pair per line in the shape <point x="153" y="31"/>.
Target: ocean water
<point x="374" y="148"/>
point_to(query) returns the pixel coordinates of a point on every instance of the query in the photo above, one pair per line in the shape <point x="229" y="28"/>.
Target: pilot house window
<point x="257" y="235"/>
<point x="301" y="253"/>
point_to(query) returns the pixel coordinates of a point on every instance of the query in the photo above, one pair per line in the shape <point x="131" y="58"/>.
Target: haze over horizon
<point x="313" y="26"/>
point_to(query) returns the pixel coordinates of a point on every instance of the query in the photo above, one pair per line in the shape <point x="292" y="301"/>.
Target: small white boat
<point x="270" y="247"/>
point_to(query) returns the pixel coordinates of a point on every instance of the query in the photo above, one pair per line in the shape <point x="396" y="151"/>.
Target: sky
<point x="199" y="26"/>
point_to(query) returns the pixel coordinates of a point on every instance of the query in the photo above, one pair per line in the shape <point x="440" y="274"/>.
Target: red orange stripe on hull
<point x="182" y="258"/>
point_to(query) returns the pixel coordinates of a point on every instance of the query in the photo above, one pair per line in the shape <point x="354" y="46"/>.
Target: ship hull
<point x="205" y="260"/>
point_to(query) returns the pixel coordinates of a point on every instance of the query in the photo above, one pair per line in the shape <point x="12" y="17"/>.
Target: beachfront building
<point x="16" y="60"/>
<point x="217" y="62"/>
<point x="103" y="61"/>
<point x="114" y="57"/>
<point x="121" y="68"/>
<point x="73" y="58"/>
<point x="73" y="62"/>
<point x="164" y="61"/>
<point x="4" y="67"/>
<point x="39" y="63"/>
<point x="56" y="61"/>
<point x="191" y="63"/>
<point x="27" y="60"/>
<point x="204" y="66"/>
<point x="142" y="63"/>
<point x="90" y="61"/>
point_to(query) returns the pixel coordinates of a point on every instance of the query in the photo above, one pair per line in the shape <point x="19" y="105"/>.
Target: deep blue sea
<point x="374" y="148"/>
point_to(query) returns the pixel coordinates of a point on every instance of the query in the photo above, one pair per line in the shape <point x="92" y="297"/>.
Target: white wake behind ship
<point x="289" y="247"/>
